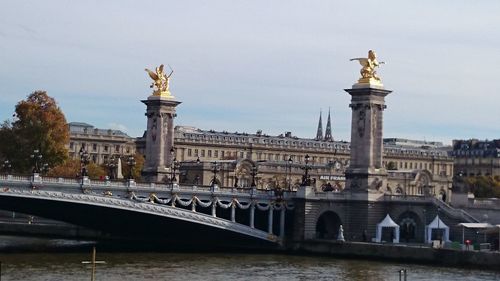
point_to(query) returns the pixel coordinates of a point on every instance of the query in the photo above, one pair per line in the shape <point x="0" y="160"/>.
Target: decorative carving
<point x="374" y="121"/>
<point x="355" y="183"/>
<point x="361" y="122"/>
<point x="153" y="129"/>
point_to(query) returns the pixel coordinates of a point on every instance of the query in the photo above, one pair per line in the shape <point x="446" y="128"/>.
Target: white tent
<point x="387" y="222"/>
<point x="437" y="223"/>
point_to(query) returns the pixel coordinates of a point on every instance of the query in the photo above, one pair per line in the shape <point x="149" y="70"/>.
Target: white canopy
<point x="437" y="223"/>
<point x="388" y="222"/>
<point x="475" y="225"/>
<point x="479" y="225"/>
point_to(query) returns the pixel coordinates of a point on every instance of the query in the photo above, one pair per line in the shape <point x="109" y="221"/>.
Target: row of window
<point x="105" y="148"/>
<point x="267" y="141"/>
<point x="260" y="156"/>
<point x="417" y="165"/>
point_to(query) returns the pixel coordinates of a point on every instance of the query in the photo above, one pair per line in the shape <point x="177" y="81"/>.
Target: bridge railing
<point x="405" y="198"/>
<point x="17" y="178"/>
<point x="456" y="213"/>
<point x="76" y="184"/>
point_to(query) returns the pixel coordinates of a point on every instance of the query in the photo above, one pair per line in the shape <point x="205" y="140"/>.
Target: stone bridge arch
<point x="327" y="225"/>
<point x="411" y="226"/>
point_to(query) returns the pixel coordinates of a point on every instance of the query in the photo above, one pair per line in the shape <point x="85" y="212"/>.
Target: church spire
<point x="319" y="133"/>
<point x="328" y="131"/>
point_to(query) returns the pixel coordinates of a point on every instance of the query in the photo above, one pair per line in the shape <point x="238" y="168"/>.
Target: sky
<point x="258" y="65"/>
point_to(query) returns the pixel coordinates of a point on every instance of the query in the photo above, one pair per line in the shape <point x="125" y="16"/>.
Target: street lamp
<point x="253" y="173"/>
<point x="84" y="161"/>
<point x="45" y="168"/>
<point x="306" y="181"/>
<point x="215" y="170"/>
<point x="131" y="164"/>
<point x="425" y="224"/>
<point x="289" y="173"/>
<point x="174" y="165"/>
<point x="439" y="230"/>
<point x="6" y="166"/>
<point x="37" y="157"/>
<point x="111" y="165"/>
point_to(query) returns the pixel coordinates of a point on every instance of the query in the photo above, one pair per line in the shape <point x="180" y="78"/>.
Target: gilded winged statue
<point x="160" y="80"/>
<point x="369" y="64"/>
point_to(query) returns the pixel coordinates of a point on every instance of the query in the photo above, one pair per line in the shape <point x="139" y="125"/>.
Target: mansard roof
<point x="85" y="128"/>
<point x="287" y="139"/>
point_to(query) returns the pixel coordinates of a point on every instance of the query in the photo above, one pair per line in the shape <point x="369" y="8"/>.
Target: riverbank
<point x="400" y="253"/>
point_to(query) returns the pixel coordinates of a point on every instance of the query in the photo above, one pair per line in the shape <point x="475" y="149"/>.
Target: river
<point x="56" y="260"/>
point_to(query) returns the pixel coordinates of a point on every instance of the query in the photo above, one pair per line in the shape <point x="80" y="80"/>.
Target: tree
<point x="484" y="186"/>
<point x="139" y="164"/>
<point x="72" y="168"/>
<point x="392" y="166"/>
<point x="39" y="124"/>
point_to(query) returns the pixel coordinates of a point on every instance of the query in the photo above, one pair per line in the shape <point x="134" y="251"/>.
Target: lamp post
<point x="7" y="167"/>
<point x="111" y="165"/>
<point x="254" y="173"/>
<point x="306" y="181"/>
<point x="197" y="177"/>
<point x="215" y="170"/>
<point x="44" y="168"/>
<point x="174" y="165"/>
<point x="131" y="164"/>
<point x="84" y="161"/>
<point x="37" y="157"/>
<point x="289" y="173"/>
<point x="425" y="224"/>
<point x="439" y="229"/>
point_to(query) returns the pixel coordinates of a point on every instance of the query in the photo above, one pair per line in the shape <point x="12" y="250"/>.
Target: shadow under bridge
<point x="177" y="218"/>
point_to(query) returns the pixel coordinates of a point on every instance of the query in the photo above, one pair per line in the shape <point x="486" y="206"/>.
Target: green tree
<point x="39" y="124"/>
<point x="392" y="166"/>
<point x="484" y="186"/>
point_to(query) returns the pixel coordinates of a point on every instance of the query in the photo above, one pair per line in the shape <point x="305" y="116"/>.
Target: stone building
<point x="477" y="158"/>
<point x="415" y="167"/>
<point x="100" y="144"/>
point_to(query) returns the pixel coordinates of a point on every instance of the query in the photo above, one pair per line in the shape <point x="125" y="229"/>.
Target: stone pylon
<point x="159" y="137"/>
<point x="365" y="172"/>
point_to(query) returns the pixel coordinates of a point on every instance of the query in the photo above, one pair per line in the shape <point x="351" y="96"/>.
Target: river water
<point x="61" y="260"/>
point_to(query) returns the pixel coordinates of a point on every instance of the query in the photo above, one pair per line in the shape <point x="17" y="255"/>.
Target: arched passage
<point x="327" y="226"/>
<point x="409" y="224"/>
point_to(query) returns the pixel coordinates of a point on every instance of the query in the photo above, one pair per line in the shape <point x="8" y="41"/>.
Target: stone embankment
<point x="400" y="253"/>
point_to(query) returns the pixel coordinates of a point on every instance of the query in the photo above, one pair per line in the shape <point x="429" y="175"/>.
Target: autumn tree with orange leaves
<point x="38" y="124"/>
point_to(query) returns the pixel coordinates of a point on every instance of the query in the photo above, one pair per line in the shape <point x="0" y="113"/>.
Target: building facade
<point x="100" y="144"/>
<point x="415" y="167"/>
<point x="476" y="157"/>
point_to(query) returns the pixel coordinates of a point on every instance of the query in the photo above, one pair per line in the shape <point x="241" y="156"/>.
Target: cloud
<point x="116" y="126"/>
<point x="248" y="65"/>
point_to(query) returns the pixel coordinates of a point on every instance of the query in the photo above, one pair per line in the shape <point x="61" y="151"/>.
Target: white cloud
<point x="116" y="126"/>
<point x="272" y="63"/>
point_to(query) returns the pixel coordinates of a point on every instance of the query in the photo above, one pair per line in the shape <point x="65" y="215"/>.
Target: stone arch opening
<point x="327" y="226"/>
<point x="409" y="224"/>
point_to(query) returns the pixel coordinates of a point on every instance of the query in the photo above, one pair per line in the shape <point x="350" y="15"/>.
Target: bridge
<point x="167" y="214"/>
<point x="201" y="216"/>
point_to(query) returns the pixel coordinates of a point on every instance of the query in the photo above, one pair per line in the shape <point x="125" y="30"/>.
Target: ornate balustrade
<point x="161" y="199"/>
